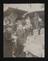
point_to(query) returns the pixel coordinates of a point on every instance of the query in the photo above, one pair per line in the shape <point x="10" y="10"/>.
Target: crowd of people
<point x="19" y="32"/>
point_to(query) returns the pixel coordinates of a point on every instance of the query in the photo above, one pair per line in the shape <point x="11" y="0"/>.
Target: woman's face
<point x="19" y="25"/>
<point x="28" y="20"/>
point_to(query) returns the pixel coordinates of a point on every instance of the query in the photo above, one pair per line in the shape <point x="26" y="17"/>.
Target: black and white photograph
<point x="24" y="30"/>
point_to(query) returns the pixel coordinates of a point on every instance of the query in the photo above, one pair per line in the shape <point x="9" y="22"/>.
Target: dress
<point x="21" y="39"/>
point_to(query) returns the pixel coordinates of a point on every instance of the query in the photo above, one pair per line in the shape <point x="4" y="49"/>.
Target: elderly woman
<point x="20" y="32"/>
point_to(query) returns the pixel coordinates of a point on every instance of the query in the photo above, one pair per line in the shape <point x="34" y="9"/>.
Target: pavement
<point x="36" y="43"/>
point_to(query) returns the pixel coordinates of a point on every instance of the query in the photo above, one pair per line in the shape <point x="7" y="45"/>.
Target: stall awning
<point x="19" y="12"/>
